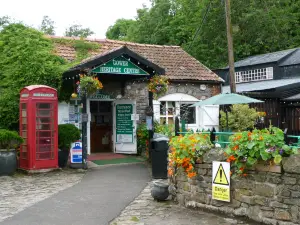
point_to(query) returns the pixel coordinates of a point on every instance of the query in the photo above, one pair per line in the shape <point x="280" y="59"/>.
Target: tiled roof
<point x="178" y="64"/>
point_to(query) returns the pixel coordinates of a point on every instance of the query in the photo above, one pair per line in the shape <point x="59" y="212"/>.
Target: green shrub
<point x="142" y="140"/>
<point x="168" y="130"/>
<point x="9" y="139"/>
<point x="241" y="117"/>
<point x="67" y="134"/>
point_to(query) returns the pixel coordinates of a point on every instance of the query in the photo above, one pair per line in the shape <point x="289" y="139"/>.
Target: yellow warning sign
<point x="221" y="193"/>
<point x="221" y="181"/>
<point x="220" y="177"/>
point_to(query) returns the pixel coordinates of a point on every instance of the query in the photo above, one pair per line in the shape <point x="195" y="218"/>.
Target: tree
<point x="120" y="29"/>
<point x="77" y="30"/>
<point x="26" y="58"/>
<point x="4" y="20"/>
<point x="47" y="26"/>
<point x="259" y="26"/>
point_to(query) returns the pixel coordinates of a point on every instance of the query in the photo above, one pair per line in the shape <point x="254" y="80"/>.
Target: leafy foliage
<point x="259" y="26"/>
<point x="120" y="29"/>
<point x="47" y="26"/>
<point x="165" y="129"/>
<point x="185" y="150"/>
<point x="82" y="47"/>
<point x="67" y="134"/>
<point x="77" y="30"/>
<point x="4" y="20"/>
<point x="9" y="139"/>
<point x="241" y="117"/>
<point x="143" y="140"/>
<point x="26" y="58"/>
<point x="247" y="148"/>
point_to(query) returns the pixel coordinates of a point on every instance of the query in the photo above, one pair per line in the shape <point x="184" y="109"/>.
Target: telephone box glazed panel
<point x="38" y="127"/>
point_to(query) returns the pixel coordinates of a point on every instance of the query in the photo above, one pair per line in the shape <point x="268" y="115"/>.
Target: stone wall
<point x="139" y="92"/>
<point x="266" y="197"/>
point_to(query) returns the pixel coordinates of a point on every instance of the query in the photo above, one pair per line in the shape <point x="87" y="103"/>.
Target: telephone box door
<point x="46" y="121"/>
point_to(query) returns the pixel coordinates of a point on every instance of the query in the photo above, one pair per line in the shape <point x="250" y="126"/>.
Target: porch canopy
<point x="108" y="64"/>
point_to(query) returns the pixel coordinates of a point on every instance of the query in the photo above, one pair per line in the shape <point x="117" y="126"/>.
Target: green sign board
<point x="124" y="124"/>
<point x="120" y="65"/>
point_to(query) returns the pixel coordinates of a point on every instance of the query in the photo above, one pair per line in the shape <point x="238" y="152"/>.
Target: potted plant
<point x="89" y="84"/>
<point x="9" y="141"/>
<point x="255" y="150"/>
<point x="158" y="85"/>
<point x="67" y="134"/>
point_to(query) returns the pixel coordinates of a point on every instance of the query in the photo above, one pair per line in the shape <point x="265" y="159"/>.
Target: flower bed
<point x="246" y="149"/>
<point x="186" y="150"/>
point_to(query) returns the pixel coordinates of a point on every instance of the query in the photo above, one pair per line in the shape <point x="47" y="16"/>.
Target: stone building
<point x="124" y="69"/>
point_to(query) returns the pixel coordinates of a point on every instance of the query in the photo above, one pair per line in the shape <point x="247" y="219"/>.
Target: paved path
<point x="145" y="211"/>
<point x="22" y="191"/>
<point x="103" y="193"/>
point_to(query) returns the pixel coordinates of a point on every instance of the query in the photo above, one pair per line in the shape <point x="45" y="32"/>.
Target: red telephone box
<point x="38" y="127"/>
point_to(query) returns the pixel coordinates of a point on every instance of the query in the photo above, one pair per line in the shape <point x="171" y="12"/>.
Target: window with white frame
<point x="254" y="75"/>
<point x="169" y="109"/>
<point x="176" y="104"/>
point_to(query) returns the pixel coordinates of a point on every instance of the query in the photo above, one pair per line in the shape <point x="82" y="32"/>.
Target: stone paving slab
<point x="22" y="191"/>
<point x="146" y="211"/>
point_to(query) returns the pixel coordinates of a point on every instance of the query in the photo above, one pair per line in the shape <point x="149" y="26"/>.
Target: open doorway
<point x="101" y="126"/>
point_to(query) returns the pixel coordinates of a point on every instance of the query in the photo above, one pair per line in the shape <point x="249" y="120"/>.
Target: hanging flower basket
<point x="89" y="84"/>
<point x="158" y="85"/>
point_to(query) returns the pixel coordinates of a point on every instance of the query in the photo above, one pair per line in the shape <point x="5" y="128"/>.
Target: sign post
<point x="124" y="123"/>
<point x="221" y="181"/>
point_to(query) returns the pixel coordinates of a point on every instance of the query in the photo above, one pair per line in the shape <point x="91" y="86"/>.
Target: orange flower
<point x="249" y="134"/>
<point x="189" y="168"/>
<point x="242" y="169"/>
<point x="235" y="148"/>
<point x="244" y="174"/>
<point x="170" y="172"/>
<point x="261" y="138"/>
<point x="191" y="175"/>
<point x="231" y="158"/>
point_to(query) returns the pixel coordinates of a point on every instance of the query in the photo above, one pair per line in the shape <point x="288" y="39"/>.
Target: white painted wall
<point x="207" y="117"/>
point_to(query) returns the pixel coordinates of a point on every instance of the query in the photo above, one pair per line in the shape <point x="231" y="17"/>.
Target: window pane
<point x="171" y="108"/>
<point x="188" y="113"/>
<point x="24" y="114"/>
<point x="162" y="120"/>
<point x="43" y="120"/>
<point x="162" y="108"/>
<point x="24" y="134"/>
<point x="44" y="112"/>
<point x="44" y="105"/>
<point x="23" y="106"/>
<point x="24" y="126"/>
<point x="24" y="120"/>
<point x="43" y="134"/>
